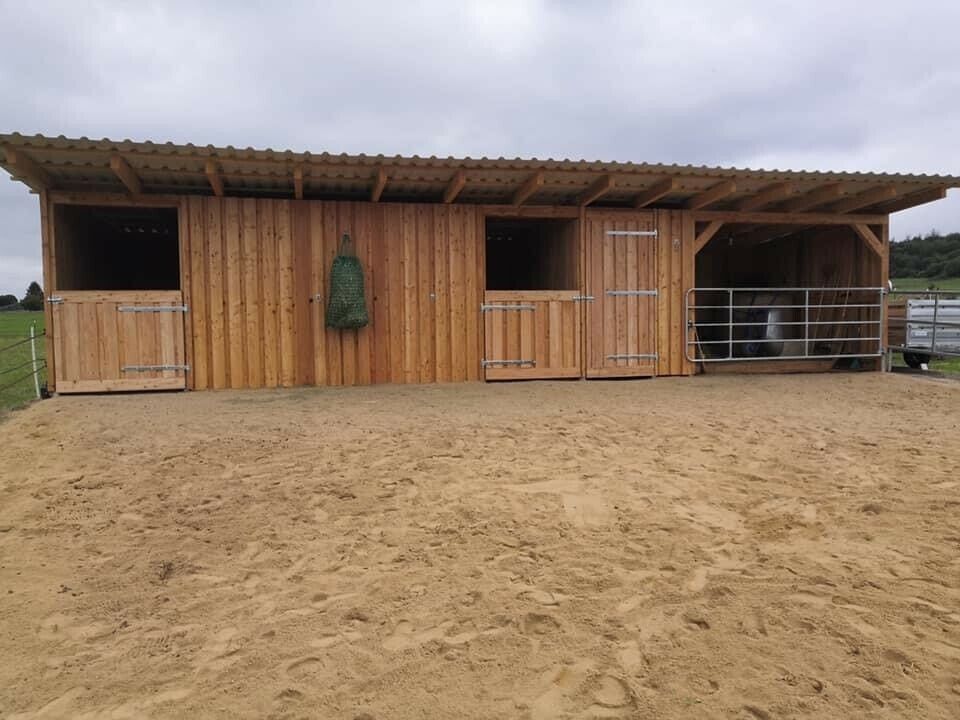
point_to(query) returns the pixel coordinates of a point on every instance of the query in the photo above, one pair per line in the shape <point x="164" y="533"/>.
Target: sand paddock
<point x="712" y="547"/>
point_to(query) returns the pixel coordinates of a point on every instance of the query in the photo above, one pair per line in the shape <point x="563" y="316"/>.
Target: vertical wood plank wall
<point x="255" y="275"/>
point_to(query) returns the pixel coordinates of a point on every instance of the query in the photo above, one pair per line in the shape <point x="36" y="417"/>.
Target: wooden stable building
<point x="170" y="266"/>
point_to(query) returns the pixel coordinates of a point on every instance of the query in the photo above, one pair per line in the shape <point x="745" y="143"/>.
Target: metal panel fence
<point x="783" y="323"/>
<point x="925" y="323"/>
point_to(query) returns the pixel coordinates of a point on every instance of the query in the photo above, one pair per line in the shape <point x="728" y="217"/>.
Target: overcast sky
<point x="838" y="85"/>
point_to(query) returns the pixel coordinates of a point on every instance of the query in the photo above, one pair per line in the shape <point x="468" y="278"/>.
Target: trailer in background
<point x="924" y="325"/>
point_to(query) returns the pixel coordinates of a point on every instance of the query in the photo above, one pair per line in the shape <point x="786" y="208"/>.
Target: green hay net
<point x="347" y="308"/>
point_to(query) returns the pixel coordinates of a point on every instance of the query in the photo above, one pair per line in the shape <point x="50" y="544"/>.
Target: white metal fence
<point x="785" y="323"/>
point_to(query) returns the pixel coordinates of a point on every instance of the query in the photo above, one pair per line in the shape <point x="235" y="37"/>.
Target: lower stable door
<point x="118" y="340"/>
<point x="621" y="308"/>
<point x="531" y="334"/>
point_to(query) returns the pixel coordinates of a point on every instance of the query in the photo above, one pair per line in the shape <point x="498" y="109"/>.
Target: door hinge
<point x="152" y="308"/>
<point x="493" y="363"/>
<point x="632" y="293"/>
<point x="634" y="356"/>
<point x="632" y="233"/>
<point x="583" y="298"/>
<point x="503" y="306"/>
<point x="154" y="368"/>
<point x="55" y="300"/>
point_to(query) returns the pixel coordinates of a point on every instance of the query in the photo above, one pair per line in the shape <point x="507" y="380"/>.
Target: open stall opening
<point x="116" y="248"/>
<point x="532" y="254"/>
<point x="795" y="293"/>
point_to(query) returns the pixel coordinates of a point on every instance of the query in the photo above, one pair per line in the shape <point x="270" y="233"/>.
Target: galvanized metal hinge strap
<point x="635" y="356"/>
<point x="503" y="306"/>
<point x="152" y="308"/>
<point x="55" y="300"/>
<point x="583" y="298"/>
<point x="494" y="363"/>
<point x="632" y="293"/>
<point x="154" y="368"/>
<point x="632" y="233"/>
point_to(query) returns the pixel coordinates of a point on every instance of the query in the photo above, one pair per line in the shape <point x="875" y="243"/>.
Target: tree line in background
<point x="32" y="300"/>
<point x="931" y="256"/>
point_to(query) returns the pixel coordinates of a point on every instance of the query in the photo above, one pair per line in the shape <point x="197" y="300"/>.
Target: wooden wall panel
<point x="675" y="250"/>
<point x="257" y="274"/>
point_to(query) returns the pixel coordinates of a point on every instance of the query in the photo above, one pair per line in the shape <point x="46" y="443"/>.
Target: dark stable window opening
<point x="531" y="254"/>
<point x="116" y="248"/>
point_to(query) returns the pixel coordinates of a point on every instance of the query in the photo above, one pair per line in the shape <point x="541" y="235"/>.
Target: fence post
<point x="33" y="354"/>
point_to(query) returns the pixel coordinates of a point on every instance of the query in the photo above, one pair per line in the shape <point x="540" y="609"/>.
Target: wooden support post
<point x="711" y="195"/>
<point x="767" y="196"/>
<point x="529" y="187"/>
<point x="815" y="198"/>
<point x="600" y="187"/>
<point x="25" y="169"/>
<point x="128" y="176"/>
<point x="456" y="184"/>
<point x="704" y="237"/>
<point x="298" y="182"/>
<point x="864" y="199"/>
<point x="655" y="192"/>
<point x="379" y="183"/>
<point x="212" y="171"/>
<point x="869" y="237"/>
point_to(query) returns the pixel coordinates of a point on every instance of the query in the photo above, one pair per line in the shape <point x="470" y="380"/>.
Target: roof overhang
<point x="145" y="168"/>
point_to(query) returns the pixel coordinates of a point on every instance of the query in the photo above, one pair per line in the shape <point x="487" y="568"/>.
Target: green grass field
<point x="913" y="284"/>
<point x="15" y="363"/>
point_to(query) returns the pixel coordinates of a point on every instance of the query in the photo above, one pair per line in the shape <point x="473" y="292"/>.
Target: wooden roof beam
<point x="711" y="195"/>
<point x="379" y="183"/>
<point x="655" y="192"/>
<point x="869" y="237"/>
<point x="127" y="175"/>
<point x="456" y="184"/>
<point x="298" y="182"/>
<point x="25" y="169"/>
<point x="784" y="218"/>
<point x="815" y="198"/>
<point x="212" y="171"/>
<point x="600" y="187"/>
<point x="767" y="196"/>
<point x="529" y="187"/>
<point x="706" y="235"/>
<point x="865" y="199"/>
<point x="914" y="199"/>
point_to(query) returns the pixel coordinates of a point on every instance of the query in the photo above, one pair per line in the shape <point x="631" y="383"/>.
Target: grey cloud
<point x="770" y="84"/>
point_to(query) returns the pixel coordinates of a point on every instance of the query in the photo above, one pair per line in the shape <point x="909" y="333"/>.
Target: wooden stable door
<point x="621" y="279"/>
<point x="108" y="341"/>
<point x="530" y="334"/>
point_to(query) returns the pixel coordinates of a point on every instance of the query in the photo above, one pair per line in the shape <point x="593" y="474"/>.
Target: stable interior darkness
<point x="116" y="248"/>
<point x="531" y="254"/>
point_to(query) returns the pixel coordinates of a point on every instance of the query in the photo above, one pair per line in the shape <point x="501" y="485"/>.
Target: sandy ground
<point x="714" y="547"/>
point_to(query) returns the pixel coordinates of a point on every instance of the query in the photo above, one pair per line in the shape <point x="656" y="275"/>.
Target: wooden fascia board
<point x="600" y="187"/>
<point x="655" y="192"/>
<point x="212" y="171"/>
<point x="298" y="182"/>
<point x="873" y="196"/>
<point x="815" y="198"/>
<point x="456" y="184"/>
<point x="767" y="196"/>
<point x="127" y="175"/>
<point x="869" y="237"/>
<point x="779" y="218"/>
<point x="25" y="169"/>
<point x="529" y="187"/>
<point x="711" y="195"/>
<point x="704" y="237"/>
<point x="379" y="183"/>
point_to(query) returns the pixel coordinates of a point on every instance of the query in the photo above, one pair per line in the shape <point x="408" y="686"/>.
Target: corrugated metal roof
<point x="82" y="164"/>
